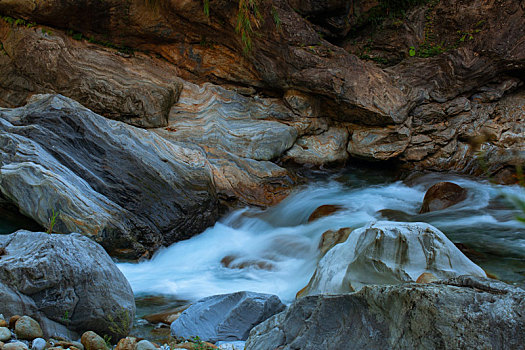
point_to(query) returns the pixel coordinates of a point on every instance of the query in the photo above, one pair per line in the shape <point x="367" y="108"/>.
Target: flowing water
<point x="275" y="250"/>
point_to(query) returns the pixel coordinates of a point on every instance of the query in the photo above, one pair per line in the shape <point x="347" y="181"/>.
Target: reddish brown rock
<point x="330" y="238"/>
<point x="324" y="210"/>
<point x="442" y="195"/>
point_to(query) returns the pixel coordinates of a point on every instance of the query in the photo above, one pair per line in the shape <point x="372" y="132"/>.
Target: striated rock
<point x="325" y="148"/>
<point x="123" y="186"/>
<point x="92" y="341"/>
<point x="324" y="210"/>
<point x="225" y="317"/>
<point x="301" y="103"/>
<point x="28" y="329"/>
<point x="131" y="90"/>
<point x="463" y="312"/>
<point x="82" y="289"/>
<point x="442" y="195"/>
<point x="378" y="143"/>
<point x="388" y="253"/>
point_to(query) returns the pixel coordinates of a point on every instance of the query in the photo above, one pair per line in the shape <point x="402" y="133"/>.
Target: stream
<point x="275" y="250"/>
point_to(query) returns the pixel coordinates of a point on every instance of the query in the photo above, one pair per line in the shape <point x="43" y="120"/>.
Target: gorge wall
<point x="437" y="85"/>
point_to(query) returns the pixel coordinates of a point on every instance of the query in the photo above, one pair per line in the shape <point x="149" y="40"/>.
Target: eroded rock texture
<point x="462" y="312"/>
<point x="125" y="187"/>
<point x="388" y="253"/>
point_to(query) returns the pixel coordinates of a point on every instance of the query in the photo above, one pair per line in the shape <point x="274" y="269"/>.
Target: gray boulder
<point x="460" y="313"/>
<point x="226" y="317"/>
<point x="68" y="283"/>
<point x="128" y="188"/>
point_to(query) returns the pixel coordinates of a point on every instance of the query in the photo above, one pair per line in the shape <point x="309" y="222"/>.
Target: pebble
<point x="13" y="320"/>
<point x="28" y="328"/>
<point x="5" y="334"/>
<point x="38" y="344"/>
<point x="3" y="323"/>
<point x="92" y="341"/>
<point x="15" y="346"/>
<point x="128" y="343"/>
<point x="145" y="345"/>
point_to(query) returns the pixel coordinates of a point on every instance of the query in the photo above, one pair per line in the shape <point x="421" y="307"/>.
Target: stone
<point x="128" y="343"/>
<point x="426" y="277"/>
<point x="67" y="282"/>
<point x="116" y="186"/>
<point x="441" y="196"/>
<point x="38" y="344"/>
<point x="388" y="253"/>
<point x="302" y="104"/>
<point x="3" y="323"/>
<point x="92" y="341"/>
<point x="324" y="210"/>
<point x="145" y="345"/>
<point x="326" y="148"/>
<point x="378" y="143"/>
<point x="5" y="334"/>
<point x="330" y="238"/>
<point x="167" y="316"/>
<point x="227" y="317"/>
<point x="15" y="346"/>
<point x="13" y="319"/>
<point x="236" y="345"/>
<point x="463" y="312"/>
<point x="27" y="328"/>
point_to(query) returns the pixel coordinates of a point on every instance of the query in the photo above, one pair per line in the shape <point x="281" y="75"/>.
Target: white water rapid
<point x="277" y="247"/>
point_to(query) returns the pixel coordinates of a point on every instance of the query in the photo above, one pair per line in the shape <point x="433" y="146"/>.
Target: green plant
<point x="248" y="17"/>
<point x="66" y="319"/>
<point x="107" y="340"/>
<point x="120" y="323"/>
<point x="206" y="6"/>
<point x="276" y="18"/>
<point x="52" y="221"/>
<point x="412" y="51"/>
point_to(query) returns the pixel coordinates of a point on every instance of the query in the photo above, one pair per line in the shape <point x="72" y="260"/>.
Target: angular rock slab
<point x="389" y="253"/>
<point x="461" y="313"/>
<point x="126" y="187"/>
<point x="226" y="317"/>
<point x="66" y="282"/>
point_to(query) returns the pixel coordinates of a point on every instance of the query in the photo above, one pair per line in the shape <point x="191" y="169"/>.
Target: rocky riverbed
<point x="234" y="156"/>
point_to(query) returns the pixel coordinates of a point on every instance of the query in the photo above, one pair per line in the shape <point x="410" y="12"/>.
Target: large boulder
<point x="460" y="313"/>
<point x="66" y="282"/>
<point x="226" y="317"/>
<point x="128" y="188"/>
<point x="388" y="253"/>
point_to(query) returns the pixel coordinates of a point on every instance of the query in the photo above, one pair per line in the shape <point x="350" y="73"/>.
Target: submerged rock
<point x="67" y="282"/>
<point x="123" y="186"/>
<point x="463" y="312"/>
<point x="324" y="210"/>
<point x="226" y="317"/>
<point x="442" y="195"/>
<point x="388" y="253"/>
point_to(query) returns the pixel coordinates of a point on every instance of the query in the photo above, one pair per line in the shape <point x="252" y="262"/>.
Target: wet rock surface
<point x="462" y="312"/>
<point x="442" y="195"/>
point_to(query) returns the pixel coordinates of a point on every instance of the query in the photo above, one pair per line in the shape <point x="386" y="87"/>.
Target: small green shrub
<point x="52" y="221"/>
